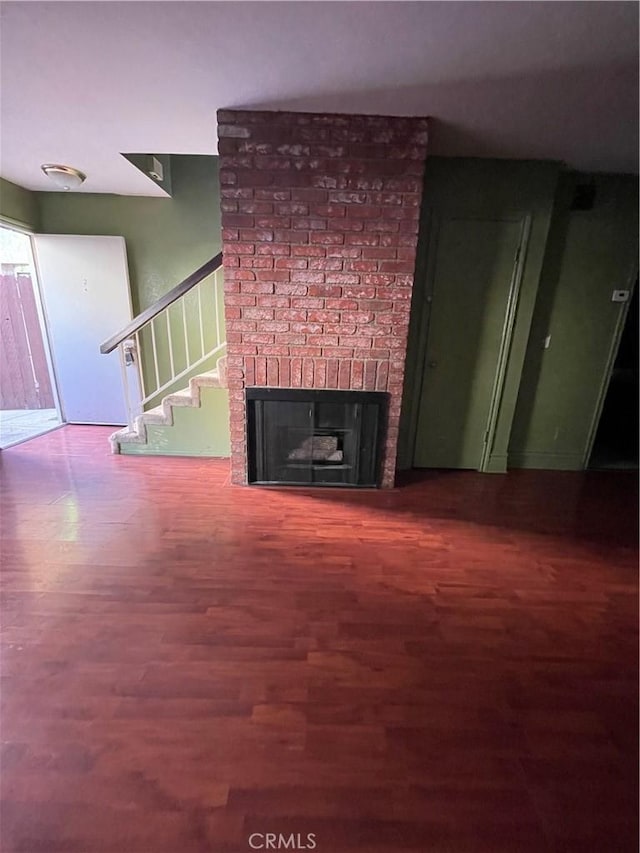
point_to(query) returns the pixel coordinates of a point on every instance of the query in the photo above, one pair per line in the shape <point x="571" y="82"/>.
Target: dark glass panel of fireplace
<point x="314" y="437"/>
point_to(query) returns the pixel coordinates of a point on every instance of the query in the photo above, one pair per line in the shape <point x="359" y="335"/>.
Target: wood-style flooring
<point x="450" y="667"/>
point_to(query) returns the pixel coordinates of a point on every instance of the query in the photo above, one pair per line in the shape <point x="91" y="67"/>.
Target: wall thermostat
<point x="620" y="296"/>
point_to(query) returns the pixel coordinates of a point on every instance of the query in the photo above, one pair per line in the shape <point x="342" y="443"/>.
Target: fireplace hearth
<point x="315" y="438"/>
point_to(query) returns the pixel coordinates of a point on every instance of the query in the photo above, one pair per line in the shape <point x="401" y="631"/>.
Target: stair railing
<point x="172" y="338"/>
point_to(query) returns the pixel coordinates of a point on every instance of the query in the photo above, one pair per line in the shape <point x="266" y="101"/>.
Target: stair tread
<point x="157" y="416"/>
<point x="210" y="378"/>
<point x="181" y="399"/>
<point x="126" y="436"/>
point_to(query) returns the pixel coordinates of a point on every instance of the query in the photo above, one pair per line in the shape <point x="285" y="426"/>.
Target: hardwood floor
<point x="446" y="668"/>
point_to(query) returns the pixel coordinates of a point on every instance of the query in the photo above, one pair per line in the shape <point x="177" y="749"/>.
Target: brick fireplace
<point x="319" y="229"/>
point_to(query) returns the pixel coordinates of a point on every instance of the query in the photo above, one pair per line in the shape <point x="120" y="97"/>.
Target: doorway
<point x="62" y="296"/>
<point x="616" y="441"/>
<point x="472" y="293"/>
<point x="28" y="398"/>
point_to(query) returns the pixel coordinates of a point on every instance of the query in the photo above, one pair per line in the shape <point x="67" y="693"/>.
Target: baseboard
<point x="135" y="450"/>
<point x="497" y="464"/>
<point x="548" y="461"/>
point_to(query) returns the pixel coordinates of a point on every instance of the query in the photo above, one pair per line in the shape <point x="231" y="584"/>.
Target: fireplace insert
<point x="315" y="438"/>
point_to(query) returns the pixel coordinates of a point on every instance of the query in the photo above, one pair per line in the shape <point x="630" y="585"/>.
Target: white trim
<point x="44" y="327"/>
<point x="16" y="225"/>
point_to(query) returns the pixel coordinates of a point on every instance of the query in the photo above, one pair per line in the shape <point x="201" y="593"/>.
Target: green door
<point x="470" y="290"/>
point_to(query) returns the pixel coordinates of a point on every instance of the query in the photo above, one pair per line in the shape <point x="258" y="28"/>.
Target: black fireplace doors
<point x="314" y="438"/>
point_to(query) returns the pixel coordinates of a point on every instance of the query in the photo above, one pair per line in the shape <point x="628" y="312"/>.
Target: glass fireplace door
<point x="315" y="438"/>
<point x="287" y="438"/>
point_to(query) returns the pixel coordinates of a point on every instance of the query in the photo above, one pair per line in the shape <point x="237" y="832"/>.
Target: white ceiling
<point x="82" y="82"/>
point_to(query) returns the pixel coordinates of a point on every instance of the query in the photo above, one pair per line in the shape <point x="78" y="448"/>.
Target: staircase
<point x="162" y="415"/>
<point x="180" y="338"/>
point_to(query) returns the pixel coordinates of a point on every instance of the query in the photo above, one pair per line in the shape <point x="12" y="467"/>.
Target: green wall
<point x="166" y="238"/>
<point x="19" y="206"/>
<point x="589" y="254"/>
<point x="468" y="187"/>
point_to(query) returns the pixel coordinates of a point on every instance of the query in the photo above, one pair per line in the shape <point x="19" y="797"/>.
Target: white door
<point x="84" y="283"/>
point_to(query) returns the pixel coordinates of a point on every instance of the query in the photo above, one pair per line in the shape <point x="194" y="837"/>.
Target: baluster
<point x="155" y="353"/>
<point x="186" y="333"/>
<point x="143" y="392"/>
<point x="125" y="385"/>
<point x="173" y="370"/>
<point x="217" y="304"/>
<point x="200" y="320"/>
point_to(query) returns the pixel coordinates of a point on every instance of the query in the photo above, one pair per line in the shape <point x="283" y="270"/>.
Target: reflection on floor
<point x="447" y="667"/>
<point x="20" y="424"/>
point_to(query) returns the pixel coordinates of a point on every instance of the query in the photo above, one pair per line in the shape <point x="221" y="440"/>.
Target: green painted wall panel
<point x="196" y="432"/>
<point x="590" y="253"/>
<point x="19" y="206"/>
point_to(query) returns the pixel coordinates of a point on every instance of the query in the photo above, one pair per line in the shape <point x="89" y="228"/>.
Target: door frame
<point x="422" y="321"/>
<point x="42" y="317"/>
<point x="631" y="281"/>
<point x="419" y="318"/>
<point x="11" y="225"/>
<point x="505" y="343"/>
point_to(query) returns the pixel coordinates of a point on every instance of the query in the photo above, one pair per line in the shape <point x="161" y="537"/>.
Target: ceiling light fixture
<point x="64" y="177"/>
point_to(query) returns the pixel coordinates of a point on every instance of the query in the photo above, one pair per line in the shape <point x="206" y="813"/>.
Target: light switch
<point x="620" y="296"/>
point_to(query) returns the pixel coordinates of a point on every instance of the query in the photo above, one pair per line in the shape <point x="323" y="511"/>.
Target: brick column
<point x="320" y="223"/>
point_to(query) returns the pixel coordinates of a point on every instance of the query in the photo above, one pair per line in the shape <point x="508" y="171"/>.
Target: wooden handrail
<point x="164" y="302"/>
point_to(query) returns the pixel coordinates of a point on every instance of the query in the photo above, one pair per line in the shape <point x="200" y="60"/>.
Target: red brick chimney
<point x="320" y="223"/>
